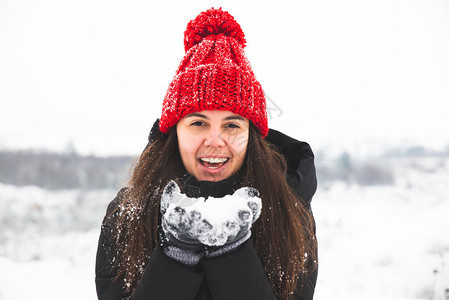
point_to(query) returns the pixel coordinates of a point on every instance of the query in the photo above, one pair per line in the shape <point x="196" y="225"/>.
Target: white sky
<point x="95" y="72"/>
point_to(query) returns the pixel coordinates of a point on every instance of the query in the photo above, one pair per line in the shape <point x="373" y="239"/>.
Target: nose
<point x="214" y="138"/>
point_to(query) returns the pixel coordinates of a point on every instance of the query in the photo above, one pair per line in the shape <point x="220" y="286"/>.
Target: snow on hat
<point x="214" y="74"/>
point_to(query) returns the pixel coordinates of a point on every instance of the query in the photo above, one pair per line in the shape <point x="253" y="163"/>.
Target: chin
<point x="212" y="177"/>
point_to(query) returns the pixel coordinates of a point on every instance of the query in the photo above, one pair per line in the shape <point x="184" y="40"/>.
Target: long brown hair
<point x="283" y="235"/>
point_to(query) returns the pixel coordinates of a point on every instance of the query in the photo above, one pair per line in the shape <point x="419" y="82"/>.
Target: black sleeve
<point x="306" y="288"/>
<point x="161" y="275"/>
<point x="301" y="176"/>
<point x="165" y="278"/>
<point x="107" y="288"/>
<point x="237" y="275"/>
<point x="301" y="173"/>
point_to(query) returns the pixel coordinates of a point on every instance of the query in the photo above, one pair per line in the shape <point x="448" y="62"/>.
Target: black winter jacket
<point x="238" y="275"/>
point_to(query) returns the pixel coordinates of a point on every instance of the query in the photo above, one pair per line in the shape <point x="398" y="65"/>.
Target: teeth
<point x="213" y="160"/>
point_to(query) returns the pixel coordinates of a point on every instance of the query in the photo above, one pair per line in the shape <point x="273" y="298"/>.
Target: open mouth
<point x="213" y="162"/>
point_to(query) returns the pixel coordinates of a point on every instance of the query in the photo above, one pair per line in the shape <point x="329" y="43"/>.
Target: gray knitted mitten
<point x="196" y="227"/>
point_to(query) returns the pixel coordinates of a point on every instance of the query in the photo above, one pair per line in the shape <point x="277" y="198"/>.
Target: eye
<point x="197" y="123"/>
<point x="232" y="125"/>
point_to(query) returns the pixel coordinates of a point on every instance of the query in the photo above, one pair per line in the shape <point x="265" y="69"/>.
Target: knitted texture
<point x="214" y="74"/>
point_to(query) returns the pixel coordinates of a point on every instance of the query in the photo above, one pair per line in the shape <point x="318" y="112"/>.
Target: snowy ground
<point x="376" y="242"/>
<point x="48" y="241"/>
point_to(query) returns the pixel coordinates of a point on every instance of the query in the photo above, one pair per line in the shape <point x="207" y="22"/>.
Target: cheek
<point x="239" y="145"/>
<point x="188" y="147"/>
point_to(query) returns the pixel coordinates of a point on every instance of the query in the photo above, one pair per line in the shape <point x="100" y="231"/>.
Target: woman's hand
<point x="195" y="227"/>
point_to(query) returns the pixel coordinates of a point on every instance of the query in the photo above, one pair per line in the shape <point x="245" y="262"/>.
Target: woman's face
<point x="212" y="143"/>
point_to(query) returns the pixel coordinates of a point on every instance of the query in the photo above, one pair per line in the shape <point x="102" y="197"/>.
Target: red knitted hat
<point x="214" y="74"/>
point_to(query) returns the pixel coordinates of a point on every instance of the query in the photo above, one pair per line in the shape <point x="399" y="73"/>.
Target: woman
<point x="218" y="206"/>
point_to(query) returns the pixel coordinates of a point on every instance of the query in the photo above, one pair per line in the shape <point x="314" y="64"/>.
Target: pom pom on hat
<point x="214" y="74"/>
<point x="212" y="22"/>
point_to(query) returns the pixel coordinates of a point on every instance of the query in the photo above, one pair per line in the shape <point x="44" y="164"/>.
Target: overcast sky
<point x="94" y="73"/>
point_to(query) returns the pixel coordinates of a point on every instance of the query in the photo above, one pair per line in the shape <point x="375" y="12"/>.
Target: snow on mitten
<point x="177" y="222"/>
<point x="223" y="224"/>
<point x="232" y="217"/>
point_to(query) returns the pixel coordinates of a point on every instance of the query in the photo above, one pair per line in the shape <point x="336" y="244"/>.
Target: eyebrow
<point x="236" y="117"/>
<point x="196" y="115"/>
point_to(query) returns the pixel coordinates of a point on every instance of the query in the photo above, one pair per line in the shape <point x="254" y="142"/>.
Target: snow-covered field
<point x="48" y="241"/>
<point x="376" y="242"/>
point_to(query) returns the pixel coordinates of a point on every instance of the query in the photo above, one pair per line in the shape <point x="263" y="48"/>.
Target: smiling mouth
<point x="213" y="162"/>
